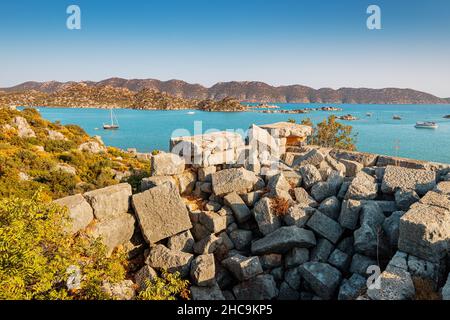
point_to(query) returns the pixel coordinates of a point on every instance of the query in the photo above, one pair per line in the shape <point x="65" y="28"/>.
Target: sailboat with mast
<point x="113" y="125"/>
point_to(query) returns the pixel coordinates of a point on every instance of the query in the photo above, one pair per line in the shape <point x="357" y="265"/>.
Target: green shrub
<point x="169" y="286"/>
<point x="35" y="254"/>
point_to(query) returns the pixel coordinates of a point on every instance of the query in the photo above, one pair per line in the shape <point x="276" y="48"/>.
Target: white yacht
<point x="426" y="125"/>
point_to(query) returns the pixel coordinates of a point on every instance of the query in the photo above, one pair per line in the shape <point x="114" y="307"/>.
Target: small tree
<point x="332" y="134"/>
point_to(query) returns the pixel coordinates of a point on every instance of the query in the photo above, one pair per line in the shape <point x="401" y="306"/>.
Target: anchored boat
<point x="112" y="126"/>
<point x="396" y="117"/>
<point x="426" y="125"/>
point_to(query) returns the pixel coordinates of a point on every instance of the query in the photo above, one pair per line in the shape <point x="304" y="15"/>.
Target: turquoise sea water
<point x="148" y="130"/>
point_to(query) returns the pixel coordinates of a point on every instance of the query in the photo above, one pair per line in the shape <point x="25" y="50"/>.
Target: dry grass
<point x="280" y="206"/>
<point x="425" y="290"/>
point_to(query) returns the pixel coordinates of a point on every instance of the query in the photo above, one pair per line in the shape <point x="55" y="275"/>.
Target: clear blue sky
<point x="319" y="43"/>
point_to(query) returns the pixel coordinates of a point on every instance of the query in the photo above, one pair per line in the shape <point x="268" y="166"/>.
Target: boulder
<point x="331" y="207"/>
<point x="395" y="284"/>
<point x="360" y="263"/>
<point x="241" y="211"/>
<point x="207" y="293"/>
<point x="352" y="288"/>
<point x="322" y="190"/>
<point x="296" y="257"/>
<point x="436" y="199"/>
<point x="80" y="212"/>
<point x="265" y="217"/>
<point x="349" y="215"/>
<point x="310" y="175"/>
<point x="55" y="135"/>
<point x="293" y="178"/>
<point x="366" y="159"/>
<point x="424" y="232"/>
<point x="23" y="128"/>
<point x="304" y="199"/>
<point x="287" y="293"/>
<point x="351" y="167"/>
<point x="92" y="147"/>
<point x="322" y="251"/>
<point x="284" y="239"/>
<point x="236" y="180"/>
<point x="183" y="241"/>
<point x="114" y="231"/>
<point x="213" y="221"/>
<point x="443" y="187"/>
<point x="362" y="187"/>
<point x="313" y="157"/>
<point x="166" y="164"/>
<point x="209" y="244"/>
<point x="391" y="227"/>
<point x="243" y="268"/>
<point x="421" y="181"/>
<point x="110" y="201"/>
<point x="204" y="173"/>
<point x="251" y="198"/>
<point x="161" y="212"/>
<point x="325" y="226"/>
<point x="322" y="278"/>
<point x="150" y="182"/>
<point x="186" y="182"/>
<point x="160" y="257"/>
<point x="271" y="261"/>
<point x="203" y="270"/>
<point x="262" y="287"/>
<point x="298" y="215"/>
<point x="293" y="278"/>
<point x="241" y="238"/>
<point x="339" y="260"/>
<point x="404" y="199"/>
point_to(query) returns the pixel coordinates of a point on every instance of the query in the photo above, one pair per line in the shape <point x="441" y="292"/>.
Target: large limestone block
<point x="284" y="239"/>
<point x="237" y="205"/>
<point x="161" y="257"/>
<point x="236" y="180"/>
<point x="322" y="277"/>
<point x="262" y="287"/>
<point x="203" y="270"/>
<point x="265" y="217"/>
<point x="166" y="164"/>
<point x="363" y="187"/>
<point x="110" y="201"/>
<point x="80" y="212"/>
<point x="418" y="180"/>
<point x="114" y="231"/>
<point x="243" y="268"/>
<point x="161" y="212"/>
<point x="425" y="232"/>
<point x="325" y="226"/>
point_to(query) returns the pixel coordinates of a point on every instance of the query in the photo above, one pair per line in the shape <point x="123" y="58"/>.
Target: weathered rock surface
<point x="110" y="201"/>
<point x="80" y="212"/>
<point x="265" y="217"/>
<point x="323" y="278"/>
<point x="349" y="215"/>
<point x="421" y="181"/>
<point x="262" y="287"/>
<point x="243" y="268"/>
<point x="114" y="231"/>
<point x="161" y="212"/>
<point x="325" y="226"/>
<point x="424" y="232"/>
<point x="183" y="241"/>
<point x="363" y="187"/>
<point x="207" y="293"/>
<point x="203" y="270"/>
<point x="241" y="211"/>
<point x="161" y="257"/>
<point x="233" y="180"/>
<point x="284" y="239"/>
<point x="310" y="175"/>
<point x="166" y="164"/>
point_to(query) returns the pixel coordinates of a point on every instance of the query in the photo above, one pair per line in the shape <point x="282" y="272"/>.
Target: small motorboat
<point x="368" y="114"/>
<point x="190" y="112"/>
<point x="427" y="125"/>
<point x="396" y="117"/>
<point x="112" y="125"/>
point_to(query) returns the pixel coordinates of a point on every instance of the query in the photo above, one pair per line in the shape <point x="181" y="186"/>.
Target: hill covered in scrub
<point x="248" y="91"/>
<point x="36" y="154"/>
<point x="84" y="95"/>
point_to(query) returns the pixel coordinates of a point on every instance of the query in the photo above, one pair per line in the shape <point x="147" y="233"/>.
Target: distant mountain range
<point x="245" y="91"/>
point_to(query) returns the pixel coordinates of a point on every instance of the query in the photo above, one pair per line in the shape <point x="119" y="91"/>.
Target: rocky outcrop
<point x="80" y="212"/>
<point x="316" y="231"/>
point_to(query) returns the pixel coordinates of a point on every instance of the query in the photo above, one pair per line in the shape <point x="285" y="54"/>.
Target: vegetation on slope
<point x="57" y="167"/>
